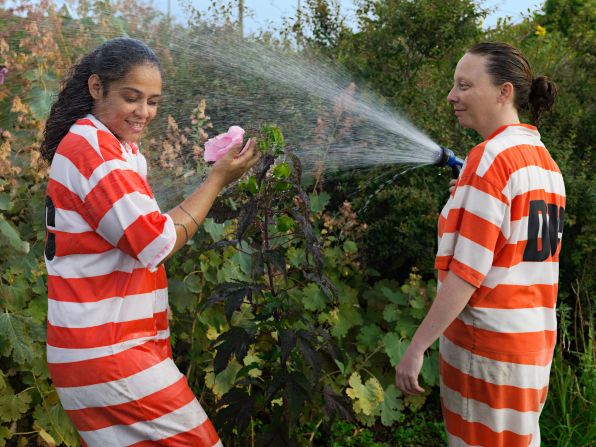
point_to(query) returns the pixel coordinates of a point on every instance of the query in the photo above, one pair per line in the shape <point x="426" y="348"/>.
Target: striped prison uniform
<point x="108" y="344"/>
<point x="500" y="231"/>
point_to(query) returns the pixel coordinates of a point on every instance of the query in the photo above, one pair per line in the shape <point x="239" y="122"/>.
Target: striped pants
<point x="488" y="402"/>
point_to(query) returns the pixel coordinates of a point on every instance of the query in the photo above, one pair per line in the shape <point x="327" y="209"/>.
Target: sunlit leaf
<point x="366" y="397"/>
<point x="282" y="171"/>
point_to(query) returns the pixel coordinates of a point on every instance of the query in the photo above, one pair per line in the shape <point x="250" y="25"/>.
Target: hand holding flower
<point x="217" y="147"/>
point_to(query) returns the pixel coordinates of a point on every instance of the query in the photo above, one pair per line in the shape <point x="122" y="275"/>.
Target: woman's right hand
<point x="452" y="184"/>
<point x="233" y="165"/>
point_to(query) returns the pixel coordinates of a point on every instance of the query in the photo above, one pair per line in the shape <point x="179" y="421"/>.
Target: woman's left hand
<point x="407" y="372"/>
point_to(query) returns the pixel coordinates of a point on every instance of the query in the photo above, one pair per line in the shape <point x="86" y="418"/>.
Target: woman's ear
<point x="95" y="86"/>
<point x="506" y="93"/>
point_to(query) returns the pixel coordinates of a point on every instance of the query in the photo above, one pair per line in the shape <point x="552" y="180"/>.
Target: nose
<point x="452" y="97"/>
<point x="142" y="110"/>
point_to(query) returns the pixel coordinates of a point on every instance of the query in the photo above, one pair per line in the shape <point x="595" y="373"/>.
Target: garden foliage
<point x="294" y="302"/>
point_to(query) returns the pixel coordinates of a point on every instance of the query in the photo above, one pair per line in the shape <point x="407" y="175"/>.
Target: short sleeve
<point x="120" y="206"/>
<point x="470" y="229"/>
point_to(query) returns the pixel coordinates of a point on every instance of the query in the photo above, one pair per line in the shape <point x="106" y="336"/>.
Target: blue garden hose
<point x="448" y="158"/>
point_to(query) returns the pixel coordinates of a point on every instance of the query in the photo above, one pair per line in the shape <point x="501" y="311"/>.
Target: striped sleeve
<point x="470" y="229"/>
<point x="111" y="196"/>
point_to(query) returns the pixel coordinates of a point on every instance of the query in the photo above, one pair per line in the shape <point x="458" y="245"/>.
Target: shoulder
<point x="89" y="144"/>
<point x="90" y="133"/>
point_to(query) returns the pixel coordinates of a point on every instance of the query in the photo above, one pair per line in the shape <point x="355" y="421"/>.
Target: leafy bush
<point x="291" y="308"/>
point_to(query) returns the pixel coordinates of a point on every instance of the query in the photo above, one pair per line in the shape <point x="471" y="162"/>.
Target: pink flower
<point x="217" y="147"/>
<point x="3" y="71"/>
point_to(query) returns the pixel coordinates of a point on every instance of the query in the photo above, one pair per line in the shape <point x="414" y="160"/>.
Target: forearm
<point x="451" y="299"/>
<point x="192" y="211"/>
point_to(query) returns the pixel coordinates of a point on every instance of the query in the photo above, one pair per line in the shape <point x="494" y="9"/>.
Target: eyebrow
<point x="139" y="92"/>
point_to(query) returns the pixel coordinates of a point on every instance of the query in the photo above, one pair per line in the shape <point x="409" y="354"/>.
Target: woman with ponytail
<point x="498" y="256"/>
<point x="108" y="345"/>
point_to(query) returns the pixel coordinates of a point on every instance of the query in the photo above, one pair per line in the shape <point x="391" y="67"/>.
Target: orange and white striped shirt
<point x="108" y="343"/>
<point x="501" y="231"/>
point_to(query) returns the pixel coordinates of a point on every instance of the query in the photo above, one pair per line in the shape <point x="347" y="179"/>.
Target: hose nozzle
<point x="448" y="158"/>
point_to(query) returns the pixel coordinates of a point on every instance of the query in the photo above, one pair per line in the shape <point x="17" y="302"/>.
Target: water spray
<point x="448" y="158"/>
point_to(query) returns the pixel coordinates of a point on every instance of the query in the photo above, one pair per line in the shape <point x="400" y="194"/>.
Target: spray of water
<point x="361" y="131"/>
<point x="331" y="124"/>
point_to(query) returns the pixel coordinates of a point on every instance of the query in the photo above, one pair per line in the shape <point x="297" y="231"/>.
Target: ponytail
<point x="542" y="96"/>
<point x="505" y="63"/>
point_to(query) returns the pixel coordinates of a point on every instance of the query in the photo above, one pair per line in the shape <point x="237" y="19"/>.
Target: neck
<point x="506" y="117"/>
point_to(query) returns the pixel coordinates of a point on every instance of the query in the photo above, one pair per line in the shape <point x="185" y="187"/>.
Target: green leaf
<point x="243" y="260"/>
<point x="180" y="297"/>
<point x="395" y="296"/>
<point x="215" y="230"/>
<point x="285" y="223"/>
<point x="391" y="313"/>
<point x="295" y="256"/>
<point x="31" y="75"/>
<point x="193" y="283"/>
<point x="5" y="434"/>
<point x="348" y="317"/>
<point x="249" y="185"/>
<point x="12" y="406"/>
<point x="365" y="397"/>
<point x="5" y="202"/>
<point x="282" y="171"/>
<point x="392" y="406"/>
<point x="394" y="347"/>
<point x="430" y="369"/>
<point x="41" y="101"/>
<point x="313" y="299"/>
<point x="283" y="186"/>
<point x="318" y="202"/>
<point x="350" y="247"/>
<point x="418" y="303"/>
<point x="224" y="381"/>
<point x="11" y="236"/>
<point x="55" y="421"/>
<point x="13" y="330"/>
<point x="369" y="337"/>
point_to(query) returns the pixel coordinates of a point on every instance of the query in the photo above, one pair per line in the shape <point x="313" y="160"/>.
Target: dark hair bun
<point x="542" y="95"/>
